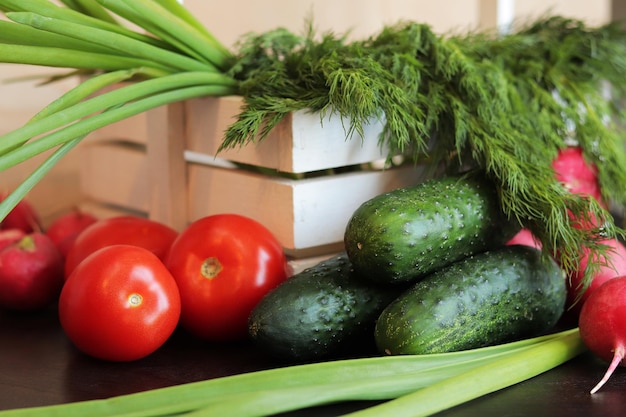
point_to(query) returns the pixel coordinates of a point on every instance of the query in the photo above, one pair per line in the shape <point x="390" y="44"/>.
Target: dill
<point x="501" y="104"/>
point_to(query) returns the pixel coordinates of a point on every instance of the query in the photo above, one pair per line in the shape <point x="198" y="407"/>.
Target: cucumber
<point x="407" y="233"/>
<point x="324" y="311"/>
<point x="493" y="297"/>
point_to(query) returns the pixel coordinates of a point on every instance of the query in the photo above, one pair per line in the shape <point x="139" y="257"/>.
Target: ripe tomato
<point x="119" y="304"/>
<point x="223" y="265"/>
<point x="128" y="230"/>
<point x="65" y="228"/>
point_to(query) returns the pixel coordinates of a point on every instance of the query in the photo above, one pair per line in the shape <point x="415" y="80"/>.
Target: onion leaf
<point x="264" y="393"/>
<point x="91" y="8"/>
<point x="159" y="20"/>
<point x="71" y="58"/>
<point x="122" y="45"/>
<point x="47" y="8"/>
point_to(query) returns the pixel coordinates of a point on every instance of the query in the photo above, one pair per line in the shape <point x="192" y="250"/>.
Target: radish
<point x="580" y="177"/>
<point x="525" y="237"/>
<point x="610" y="268"/>
<point x="602" y="325"/>
<point x="31" y="273"/>
<point x="23" y="216"/>
<point x="576" y="174"/>
<point x="9" y="236"/>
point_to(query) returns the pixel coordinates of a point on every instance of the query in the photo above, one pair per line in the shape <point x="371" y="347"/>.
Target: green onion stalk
<point x="184" y="61"/>
<point x="405" y="385"/>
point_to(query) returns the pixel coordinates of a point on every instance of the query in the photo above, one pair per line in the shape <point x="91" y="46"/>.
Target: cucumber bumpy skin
<point x="493" y="297"/>
<point x="324" y="311"/>
<point x="405" y="234"/>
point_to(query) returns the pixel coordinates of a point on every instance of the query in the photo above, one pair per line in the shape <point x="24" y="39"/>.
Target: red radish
<point x="31" y="273"/>
<point x="602" y="325"/>
<point x="581" y="177"/>
<point x="578" y="176"/>
<point x="606" y="270"/>
<point x="525" y="237"/>
<point x="64" y="230"/>
<point x="23" y="216"/>
<point x="9" y="236"/>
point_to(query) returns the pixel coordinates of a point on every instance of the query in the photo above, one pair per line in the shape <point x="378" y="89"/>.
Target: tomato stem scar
<point x="135" y="300"/>
<point x="211" y="267"/>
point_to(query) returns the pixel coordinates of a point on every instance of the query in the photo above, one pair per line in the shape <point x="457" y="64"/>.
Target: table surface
<point x="39" y="366"/>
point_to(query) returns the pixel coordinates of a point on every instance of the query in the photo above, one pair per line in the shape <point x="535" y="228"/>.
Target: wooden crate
<point x="174" y="175"/>
<point x="304" y="142"/>
<point x="308" y="216"/>
<point x="115" y="173"/>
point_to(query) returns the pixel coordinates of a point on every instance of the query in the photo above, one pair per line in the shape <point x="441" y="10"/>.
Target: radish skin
<point x="611" y="265"/>
<point x="576" y="174"/>
<point x="602" y="325"/>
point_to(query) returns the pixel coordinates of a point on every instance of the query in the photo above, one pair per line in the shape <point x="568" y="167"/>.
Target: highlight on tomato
<point x="119" y="304"/>
<point x="223" y="265"/>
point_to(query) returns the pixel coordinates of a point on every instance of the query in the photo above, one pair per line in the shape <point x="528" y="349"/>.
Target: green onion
<point x="22" y="153"/>
<point x="74" y="96"/>
<point x="264" y="393"/>
<point x="90" y="8"/>
<point x="176" y="8"/>
<point x="18" y="34"/>
<point x="50" y="9"/>
<point x="123" y="45"/>
<point x="80" y="36"/>
<point x="64" y="58"/>
<point x="113" y="98"/>
<point x="91" y="86"/>
<point x="13" y="198"/>
<point x="169" y="26"/>
<point x="485" y="379"/>
<point x="67" y="117"/>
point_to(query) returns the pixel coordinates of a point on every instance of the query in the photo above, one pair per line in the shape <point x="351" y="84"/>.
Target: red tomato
<point x="119" y="304"/>
<point x="223" y="265"/>
<point x="127" y="230"/>
<point x="66" y="228"/>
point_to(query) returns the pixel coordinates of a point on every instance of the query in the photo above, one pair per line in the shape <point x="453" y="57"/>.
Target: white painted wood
<point x="303" y="214"/>
<point x="303" y="142"/>
<point x="505" y="15"/>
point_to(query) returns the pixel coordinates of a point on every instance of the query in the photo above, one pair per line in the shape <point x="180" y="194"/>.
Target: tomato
<point x="223" y="265"/>
<point x="65" y="228"/>
<point x="119" y="304"/>
<point x="129" y="230"/>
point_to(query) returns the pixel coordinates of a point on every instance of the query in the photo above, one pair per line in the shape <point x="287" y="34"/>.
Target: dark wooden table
<point x="39" y="366"/>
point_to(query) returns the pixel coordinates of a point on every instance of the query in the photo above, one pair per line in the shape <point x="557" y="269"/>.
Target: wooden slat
<point x="167" y="167"/>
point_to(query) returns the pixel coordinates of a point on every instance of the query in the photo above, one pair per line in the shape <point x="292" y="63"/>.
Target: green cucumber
<point x="493" y="297"/>
<point x="324" y="311"/>
<point x="408" y="233"/>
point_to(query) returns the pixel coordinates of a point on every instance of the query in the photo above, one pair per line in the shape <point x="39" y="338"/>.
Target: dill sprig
<point x="502" y="104"/>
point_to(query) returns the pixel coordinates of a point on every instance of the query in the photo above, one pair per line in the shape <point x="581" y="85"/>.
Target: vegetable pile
<point x="136" y="299"/>
<point x="123" y="284"/>
<point x="447" y="99"/>
<point x="511" y="108"/>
